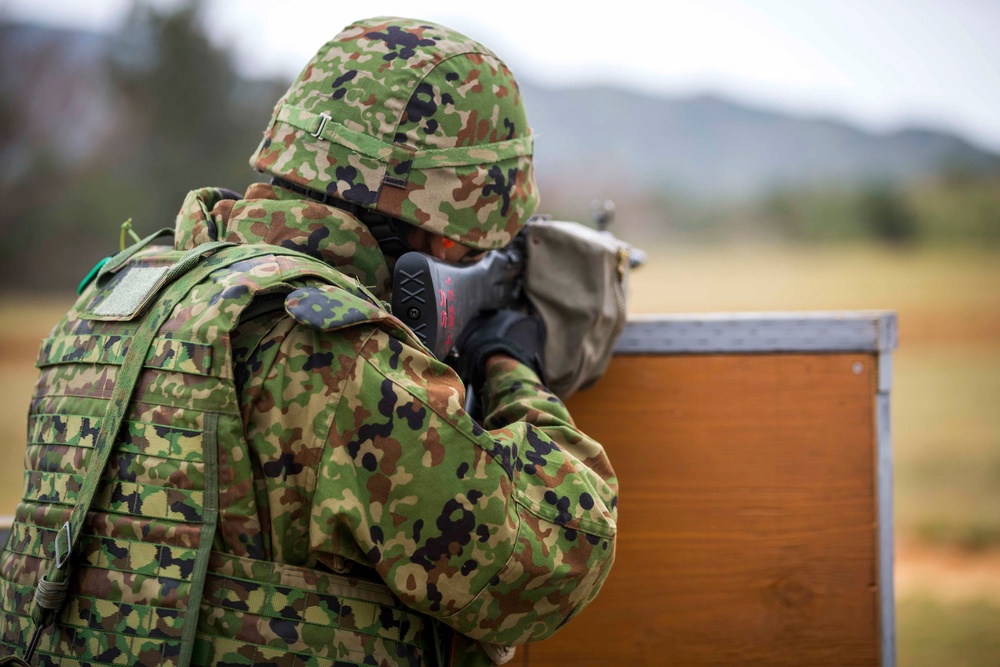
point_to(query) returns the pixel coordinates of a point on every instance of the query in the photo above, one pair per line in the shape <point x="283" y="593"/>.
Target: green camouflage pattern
<point x="360" y="506"/>
<point x="414" y="120"/>
<point x="278" y="217"/>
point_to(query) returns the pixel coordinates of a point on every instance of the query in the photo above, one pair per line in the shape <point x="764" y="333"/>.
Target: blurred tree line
<point x="174" y="116"/>
<point x="954" y="207"/>
<point x="97" y="129"/>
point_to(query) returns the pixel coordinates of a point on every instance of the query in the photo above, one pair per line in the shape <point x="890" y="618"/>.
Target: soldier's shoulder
<point x="330" y="308"/>
<point x="334" y="307"/>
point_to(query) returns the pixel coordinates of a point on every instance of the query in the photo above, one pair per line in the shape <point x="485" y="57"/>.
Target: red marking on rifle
<point x="443" y="307"/>
<point x="451" y="309"/>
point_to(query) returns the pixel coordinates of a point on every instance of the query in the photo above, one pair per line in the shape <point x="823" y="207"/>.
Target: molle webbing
<point x="188" y="274"/>
<point x="115" y="403"/>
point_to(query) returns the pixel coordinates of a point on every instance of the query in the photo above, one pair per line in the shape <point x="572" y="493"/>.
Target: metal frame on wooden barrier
<point x="708" y="333"/>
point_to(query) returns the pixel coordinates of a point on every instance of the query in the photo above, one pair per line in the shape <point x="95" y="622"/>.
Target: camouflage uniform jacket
<point x="364" y="454"/>
<point x="355" y="459"/>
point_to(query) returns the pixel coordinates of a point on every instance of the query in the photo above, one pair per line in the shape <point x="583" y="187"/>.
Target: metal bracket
<point x="60" y="561"/>
<point x="323" y="118"/>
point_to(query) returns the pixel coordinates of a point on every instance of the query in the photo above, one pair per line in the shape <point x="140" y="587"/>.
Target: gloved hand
<point x="505" y="332"/>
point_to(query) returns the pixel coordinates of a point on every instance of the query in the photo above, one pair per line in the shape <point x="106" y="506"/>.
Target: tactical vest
<point x="138" y="491"/>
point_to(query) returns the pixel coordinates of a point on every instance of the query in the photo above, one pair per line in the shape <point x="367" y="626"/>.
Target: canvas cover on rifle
<point x="577" y="279"/>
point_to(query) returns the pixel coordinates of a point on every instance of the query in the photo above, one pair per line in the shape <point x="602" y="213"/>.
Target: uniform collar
<point x="270" y="214"/>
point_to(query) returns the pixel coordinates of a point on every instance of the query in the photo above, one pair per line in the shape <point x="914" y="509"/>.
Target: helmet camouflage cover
<point x="413" y="120"/>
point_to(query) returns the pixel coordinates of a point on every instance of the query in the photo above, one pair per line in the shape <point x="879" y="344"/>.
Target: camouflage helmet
<point x="413" y="120"/>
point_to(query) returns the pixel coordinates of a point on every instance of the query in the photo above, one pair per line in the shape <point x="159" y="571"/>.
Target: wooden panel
<point x="747" y="517"/>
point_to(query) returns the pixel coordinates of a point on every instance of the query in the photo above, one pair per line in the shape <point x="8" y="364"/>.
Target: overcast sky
<point x="880" y="63"/>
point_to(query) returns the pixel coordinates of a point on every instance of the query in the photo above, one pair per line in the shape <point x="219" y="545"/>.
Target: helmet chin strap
<point x="391" y="233"/>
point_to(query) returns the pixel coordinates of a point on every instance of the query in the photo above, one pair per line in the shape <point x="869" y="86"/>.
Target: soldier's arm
<point x="503" y="532"/>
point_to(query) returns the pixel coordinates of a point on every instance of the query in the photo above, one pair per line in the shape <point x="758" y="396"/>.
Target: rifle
<point x="437" y="299"/>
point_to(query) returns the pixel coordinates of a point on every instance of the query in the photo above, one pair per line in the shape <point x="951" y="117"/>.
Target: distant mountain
<point x="710" y="146"/>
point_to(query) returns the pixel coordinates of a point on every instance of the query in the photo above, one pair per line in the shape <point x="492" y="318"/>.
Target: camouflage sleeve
<point x="514" y="393"/>
<point x="503" y="534"/>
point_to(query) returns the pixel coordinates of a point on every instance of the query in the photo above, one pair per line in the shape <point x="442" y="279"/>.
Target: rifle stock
<point x="438" y="299"/>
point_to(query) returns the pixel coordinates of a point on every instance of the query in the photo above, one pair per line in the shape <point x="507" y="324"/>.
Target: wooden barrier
<point x="755" y="519"/>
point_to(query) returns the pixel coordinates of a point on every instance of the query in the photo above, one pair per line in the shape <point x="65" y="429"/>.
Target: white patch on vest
<point x="130" y="291"/>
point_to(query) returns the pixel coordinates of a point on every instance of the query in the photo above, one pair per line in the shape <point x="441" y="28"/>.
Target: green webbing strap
<point x="51" y="591"/>
<point x="210" y="513"/>
<point x="322" y="126"/>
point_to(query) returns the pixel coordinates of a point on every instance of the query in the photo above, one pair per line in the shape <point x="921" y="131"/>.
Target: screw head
<point x="857" y="367"/>
<point x="413" y="313"/>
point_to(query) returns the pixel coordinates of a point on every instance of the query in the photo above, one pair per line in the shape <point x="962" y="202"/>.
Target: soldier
<point x="237" y="455"/>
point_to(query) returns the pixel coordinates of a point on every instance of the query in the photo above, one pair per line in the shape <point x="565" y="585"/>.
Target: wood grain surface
<point x="747" y="514"/>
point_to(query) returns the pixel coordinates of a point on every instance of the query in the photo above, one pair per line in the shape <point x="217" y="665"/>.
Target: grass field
<point x="946" y="404"/>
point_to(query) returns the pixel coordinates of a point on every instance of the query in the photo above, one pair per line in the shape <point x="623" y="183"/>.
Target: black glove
<point x="505" y="332"/>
